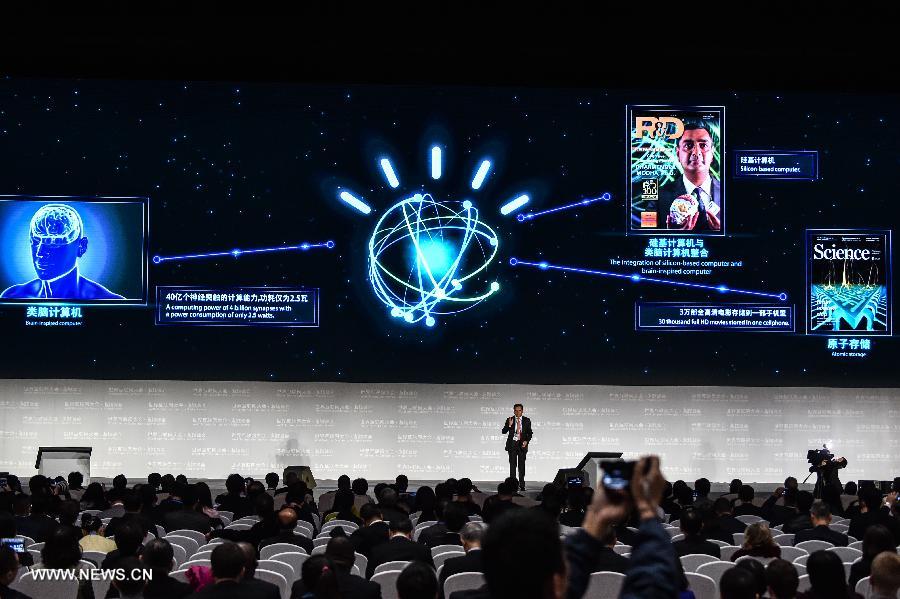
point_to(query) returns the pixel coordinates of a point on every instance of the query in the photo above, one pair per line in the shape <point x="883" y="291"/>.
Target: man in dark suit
<point x="287" y="522"/>
<point x="605" y="558"/>
<point x="400" y="547"/>
<point x="872" y="512"/>
<point x="778" y="515"/>
<point x="471" y="535"/>
<point x="157" y="556"/>
<point x="446" y="532"/>
<point x="341" y="554"/>
<point x="495" y="505"/>
<point x="820" y="515"/>
<point x="517" y="429"/>
<point x="694" y="542"/>
<point x="802" y="520"/>
<point x="695" y="152"/>
<point x="388" y="503"/>
<point x="233" y="500"/>
<point x="36" y="525"/>
<point x="132" y="512"/>
<point x="723" y="525"/>
<point x="372" y="533"/>
<point x="132" y="584"/>
<point x="254" y="587"/>
<point x="172" y="503"/>
<point x="187" y="518"/>
<point x="228" y="562"/>
<point x="747" y="508"/>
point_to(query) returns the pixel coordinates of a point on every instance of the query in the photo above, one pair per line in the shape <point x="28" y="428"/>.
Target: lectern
<point x="60" y="461"/>
<point x="588" y="468"/>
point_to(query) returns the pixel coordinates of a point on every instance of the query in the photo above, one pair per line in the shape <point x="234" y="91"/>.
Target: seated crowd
<point x="350" y="543"/>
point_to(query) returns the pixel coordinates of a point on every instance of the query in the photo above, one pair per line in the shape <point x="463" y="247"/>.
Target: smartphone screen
<point x="17" y="545"/>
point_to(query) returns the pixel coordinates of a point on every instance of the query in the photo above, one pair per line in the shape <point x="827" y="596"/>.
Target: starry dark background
<point x="255" y="160"/>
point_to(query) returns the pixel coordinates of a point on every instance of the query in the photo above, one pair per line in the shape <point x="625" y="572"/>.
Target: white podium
<point x="60" y="461"/>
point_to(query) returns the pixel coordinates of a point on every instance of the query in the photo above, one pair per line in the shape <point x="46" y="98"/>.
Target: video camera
<point x="817" y="456"/>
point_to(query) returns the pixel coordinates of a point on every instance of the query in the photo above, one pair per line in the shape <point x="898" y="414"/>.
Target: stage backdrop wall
<point x="210" y="429"/>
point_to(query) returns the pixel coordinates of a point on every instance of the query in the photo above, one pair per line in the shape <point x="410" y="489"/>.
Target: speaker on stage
<point x="303" y="472"/>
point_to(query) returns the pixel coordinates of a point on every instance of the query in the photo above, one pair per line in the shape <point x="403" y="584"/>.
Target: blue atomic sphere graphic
<point x="429" y="258"/>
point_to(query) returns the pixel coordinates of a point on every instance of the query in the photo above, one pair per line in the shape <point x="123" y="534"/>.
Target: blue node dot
<point x="606" y="196"/>
<point x="467" y="205"/>
<point x="396" y="312"/>
<point x="156" y="259"/>
<point x="408" y="317"/>
<point x="782" y="296"/>
<point x="513" y="261"/>
<point x="722" y="288"/>
<point x="544" y="265"/>
<point x="493" y="241"/>
<point x="429" y="321"/>
<point x="304" y="246"/>
<point x="635" y="277"/>
<point x="520" y="218"/>
<point x="495" y="286"/>
<point x="329" y="244"/>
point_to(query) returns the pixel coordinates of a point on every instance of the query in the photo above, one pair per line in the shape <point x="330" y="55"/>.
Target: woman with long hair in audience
<point x="94" y="498"/>
<point x="878" y="538"/>
<point x="827" y="578"/>
<point x="319" y="579"/>
<point x="148" y="498"/>
<point x="425" y="504"/>
<point x="758" y="542"/>
<point x="205" y="504"/>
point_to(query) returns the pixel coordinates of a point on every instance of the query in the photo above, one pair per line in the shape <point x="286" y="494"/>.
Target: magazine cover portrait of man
<point x="675" y="160"/>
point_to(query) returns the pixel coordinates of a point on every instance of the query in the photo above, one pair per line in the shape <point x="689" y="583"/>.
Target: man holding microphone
<point x="518" y="435"/>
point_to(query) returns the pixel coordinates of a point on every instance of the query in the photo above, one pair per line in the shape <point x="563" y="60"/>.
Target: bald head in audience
<point x="287" y="518"/>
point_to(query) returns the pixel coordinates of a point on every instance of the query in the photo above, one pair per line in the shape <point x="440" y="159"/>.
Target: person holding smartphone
<point x="627" y="488"/>
<point x="517" y="429"/>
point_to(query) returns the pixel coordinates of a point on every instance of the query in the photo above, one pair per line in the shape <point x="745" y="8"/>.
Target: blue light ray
<point x="585" y="202"/>
<point x="349" y="198"/>
<point x="514" y="204"/>
<point x="436" y="166"/>
<point x="481" y="174"/>
<point x="237" y="253"/>
<point x="639" y="278"/>
<point x="389" y="173"/>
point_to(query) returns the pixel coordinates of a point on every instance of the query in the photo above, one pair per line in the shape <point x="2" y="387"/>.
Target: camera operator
<point x="828" y="483"/>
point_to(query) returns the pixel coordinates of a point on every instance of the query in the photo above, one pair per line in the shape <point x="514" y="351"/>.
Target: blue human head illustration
<point x="58" y="241"/>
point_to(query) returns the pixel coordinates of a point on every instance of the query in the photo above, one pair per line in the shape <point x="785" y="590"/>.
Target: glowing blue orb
<point x="429" y="258"/>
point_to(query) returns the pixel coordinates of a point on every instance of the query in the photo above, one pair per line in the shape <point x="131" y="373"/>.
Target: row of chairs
<point x="704" y="582"/>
